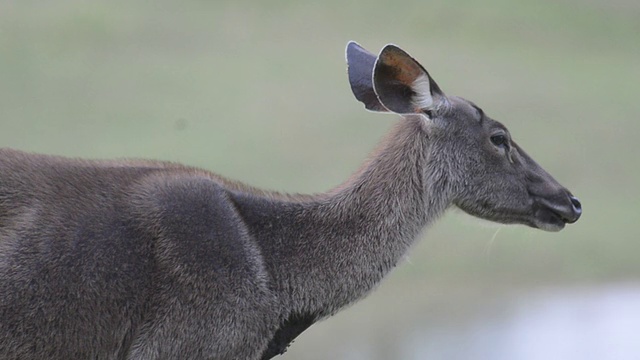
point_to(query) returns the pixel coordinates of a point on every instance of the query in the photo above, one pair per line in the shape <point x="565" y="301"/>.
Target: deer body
<point x="153" y="260"/>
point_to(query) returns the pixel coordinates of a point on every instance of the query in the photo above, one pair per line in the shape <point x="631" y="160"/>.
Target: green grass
<point x="258" y="92"/>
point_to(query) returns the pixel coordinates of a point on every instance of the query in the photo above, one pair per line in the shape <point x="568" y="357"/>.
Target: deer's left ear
<point x="403" y="85"/>
<point x="360" y="63"/>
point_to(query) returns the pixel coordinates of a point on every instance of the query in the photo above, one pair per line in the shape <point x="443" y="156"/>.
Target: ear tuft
<point x="421" y="86"/>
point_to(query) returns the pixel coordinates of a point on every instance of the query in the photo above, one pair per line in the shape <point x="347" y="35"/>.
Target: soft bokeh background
<point x="257" y="91"/>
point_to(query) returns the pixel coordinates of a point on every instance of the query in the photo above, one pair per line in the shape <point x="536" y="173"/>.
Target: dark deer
<point x="154" y="260"/>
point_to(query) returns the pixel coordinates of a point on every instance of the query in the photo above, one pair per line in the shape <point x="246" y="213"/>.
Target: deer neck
<point x="327" y="251"/>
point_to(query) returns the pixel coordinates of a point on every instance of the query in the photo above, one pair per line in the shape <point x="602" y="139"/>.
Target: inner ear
<point x="402" y="84"/>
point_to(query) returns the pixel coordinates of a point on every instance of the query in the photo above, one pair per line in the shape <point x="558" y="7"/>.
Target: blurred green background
<point x="257" y="91"/>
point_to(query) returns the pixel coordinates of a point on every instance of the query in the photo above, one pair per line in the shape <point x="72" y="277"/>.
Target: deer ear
<point x="403" y="85"/>
<point x="360" y="65"/>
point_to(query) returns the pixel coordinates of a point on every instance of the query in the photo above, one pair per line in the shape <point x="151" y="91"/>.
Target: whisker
<point x="487" y="248"/>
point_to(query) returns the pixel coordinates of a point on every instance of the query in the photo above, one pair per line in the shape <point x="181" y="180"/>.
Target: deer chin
<point x="522" y="216"/>
<point x="548" y="220"/>
<point x="538" y="217"/>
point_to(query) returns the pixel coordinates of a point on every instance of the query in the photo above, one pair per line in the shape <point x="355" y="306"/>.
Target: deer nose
<point x="577" y="208"/>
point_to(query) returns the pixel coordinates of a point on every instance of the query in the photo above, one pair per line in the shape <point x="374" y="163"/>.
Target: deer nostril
<point x="576" y="204"/>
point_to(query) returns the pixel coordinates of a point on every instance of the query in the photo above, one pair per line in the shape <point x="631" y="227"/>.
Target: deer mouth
<point x="555" y="217"/>
<point x="549" y="220"/>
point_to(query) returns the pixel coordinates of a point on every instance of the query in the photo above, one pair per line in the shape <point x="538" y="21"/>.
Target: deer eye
<point x="499" y="140"/>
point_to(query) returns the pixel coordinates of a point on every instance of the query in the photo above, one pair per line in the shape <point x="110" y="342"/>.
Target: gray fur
<point x="154" y="260"/>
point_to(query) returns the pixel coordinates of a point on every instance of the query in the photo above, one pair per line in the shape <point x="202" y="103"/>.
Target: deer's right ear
<point x="403" y="85"/>
<point x="360" y="65"/>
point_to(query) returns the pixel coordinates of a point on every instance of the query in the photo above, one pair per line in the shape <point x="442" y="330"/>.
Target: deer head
<point x="488" y="174"/>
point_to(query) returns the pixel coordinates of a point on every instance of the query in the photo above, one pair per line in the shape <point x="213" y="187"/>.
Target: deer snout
<point x="553" y="212"/>
<point x="565" y="207"/>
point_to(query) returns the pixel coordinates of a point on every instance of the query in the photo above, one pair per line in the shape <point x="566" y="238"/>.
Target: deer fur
<point x="156" y="260"/>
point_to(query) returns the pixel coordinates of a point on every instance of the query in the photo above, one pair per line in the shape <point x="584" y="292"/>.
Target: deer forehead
<point x="464" y="109"/>
<point x="465" y="117"/>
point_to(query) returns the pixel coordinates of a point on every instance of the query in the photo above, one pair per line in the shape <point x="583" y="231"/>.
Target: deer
<point x="137" y="259"/>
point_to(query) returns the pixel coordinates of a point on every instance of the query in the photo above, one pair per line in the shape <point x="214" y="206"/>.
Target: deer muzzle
<point x="552" y="214"/>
